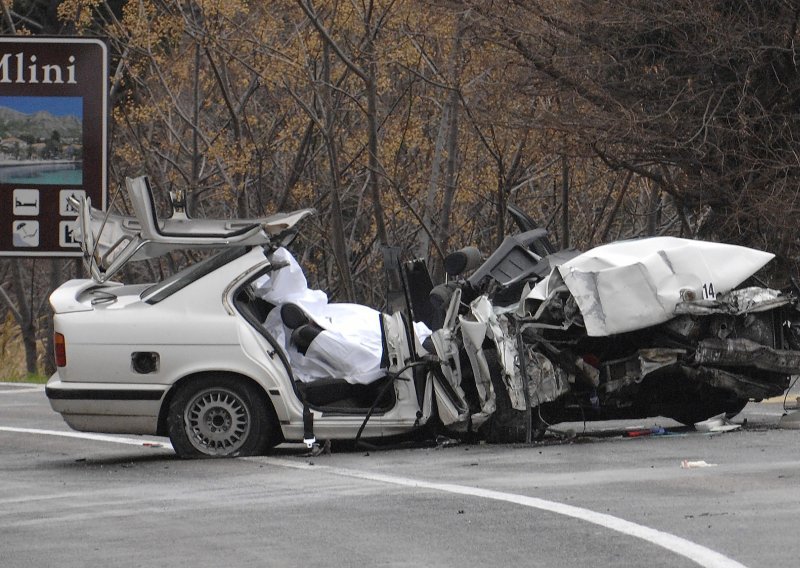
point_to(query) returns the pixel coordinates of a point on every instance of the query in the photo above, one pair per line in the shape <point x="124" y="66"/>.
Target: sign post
<point x="53" y="130"/>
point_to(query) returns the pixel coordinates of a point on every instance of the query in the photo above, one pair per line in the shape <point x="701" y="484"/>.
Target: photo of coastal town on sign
<point x="41" y="140"/>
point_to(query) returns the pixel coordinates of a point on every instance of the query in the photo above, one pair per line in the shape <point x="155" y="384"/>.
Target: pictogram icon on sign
<point x="26" y="233"/>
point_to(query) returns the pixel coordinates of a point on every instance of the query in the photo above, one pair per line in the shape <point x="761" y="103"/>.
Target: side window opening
<point x="331" y="394"/>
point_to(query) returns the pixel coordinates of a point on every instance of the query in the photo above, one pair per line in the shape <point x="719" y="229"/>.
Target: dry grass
<point x="12" y="353"/>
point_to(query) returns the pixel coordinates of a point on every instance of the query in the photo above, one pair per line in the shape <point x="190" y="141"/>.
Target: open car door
<point x="109" y="240"/>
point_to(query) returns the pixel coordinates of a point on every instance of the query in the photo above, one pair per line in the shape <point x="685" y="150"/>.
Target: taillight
<point x="60" y="348"/>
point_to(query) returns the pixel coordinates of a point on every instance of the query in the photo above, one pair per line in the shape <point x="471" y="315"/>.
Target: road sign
<point x="53" y="129"/>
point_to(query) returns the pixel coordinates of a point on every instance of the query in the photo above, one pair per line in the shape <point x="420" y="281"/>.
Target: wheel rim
<point x="217" y="422"/>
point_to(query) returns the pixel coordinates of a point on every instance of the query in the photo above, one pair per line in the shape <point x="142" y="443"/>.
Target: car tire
<point x="213" y="416"/>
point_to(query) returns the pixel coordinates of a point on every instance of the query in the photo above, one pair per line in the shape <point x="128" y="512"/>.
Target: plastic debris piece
<point x="445" y="442"/>
<point x="717" y="423"/>
<point x="638" y="432"/>
<point x="686" y="464"/>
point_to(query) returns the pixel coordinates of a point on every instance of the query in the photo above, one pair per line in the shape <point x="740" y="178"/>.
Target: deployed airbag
<point x="349" y="346"/>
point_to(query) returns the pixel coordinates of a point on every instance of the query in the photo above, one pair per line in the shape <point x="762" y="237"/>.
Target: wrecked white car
<point x="647" y="327"/>
<point x="235" y="354"/>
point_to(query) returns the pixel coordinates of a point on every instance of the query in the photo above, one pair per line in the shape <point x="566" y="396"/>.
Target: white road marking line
<point x="20" y="390"/>
<point x="696" y="553"/>
<point x="87" y="436"/>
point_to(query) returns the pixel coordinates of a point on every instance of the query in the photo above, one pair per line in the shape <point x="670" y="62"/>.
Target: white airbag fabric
<point x="349" y="347"/>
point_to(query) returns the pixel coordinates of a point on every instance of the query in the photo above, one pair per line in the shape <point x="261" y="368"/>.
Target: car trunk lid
<point x="84" y="295"/>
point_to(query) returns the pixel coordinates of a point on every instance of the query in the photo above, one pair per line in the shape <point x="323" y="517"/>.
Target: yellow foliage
<point x="78" y="12"/>
<point x="222" y="8"/>
<point x="242" y="80"/>
<point x="12" y="352"/>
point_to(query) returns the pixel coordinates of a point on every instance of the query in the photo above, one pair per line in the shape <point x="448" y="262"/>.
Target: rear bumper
<point x="107" y="407"/>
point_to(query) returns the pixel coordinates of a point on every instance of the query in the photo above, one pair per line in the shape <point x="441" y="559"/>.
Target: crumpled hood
<point x="630" y="285"/>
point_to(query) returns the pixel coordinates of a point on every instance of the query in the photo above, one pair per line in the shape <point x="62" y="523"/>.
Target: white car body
<point x="196" y="331"/>
<point x="192" y="357"/>
<point x="128" y="348"/>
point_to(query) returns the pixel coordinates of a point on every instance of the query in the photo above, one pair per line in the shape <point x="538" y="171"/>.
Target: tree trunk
<point x="337" y="220"/>
<point x="374" y="163"/>
<point x="24" y="316"/>
<point x="433" y="182"/>
<point x="451" y="168"/>
<point x="443" y="230"/>
<point x="617" y="206"/>
<point x="653" y="209"/>
<point x="564" y="202"/>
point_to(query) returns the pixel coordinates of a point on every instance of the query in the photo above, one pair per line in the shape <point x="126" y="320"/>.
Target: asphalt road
<point x="596" y="499"/>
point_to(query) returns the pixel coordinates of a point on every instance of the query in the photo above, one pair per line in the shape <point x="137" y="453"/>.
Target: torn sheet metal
<point x="473" y="334"/>
<point x="742" y="386"/>
<point x="653" y="359"/>
<point x="636" y="284"/>
<point x="622" y="373"/>
<point x="397" y="349"/>
<point x="450" y="398"/>
<point x="446" y="378"/>
<point x="736" y="302"/>
<point x="546" y="382"/>
<point x="742" y="352"/>
<point x="715" y="424"/>
<point x="498" y="331"/>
